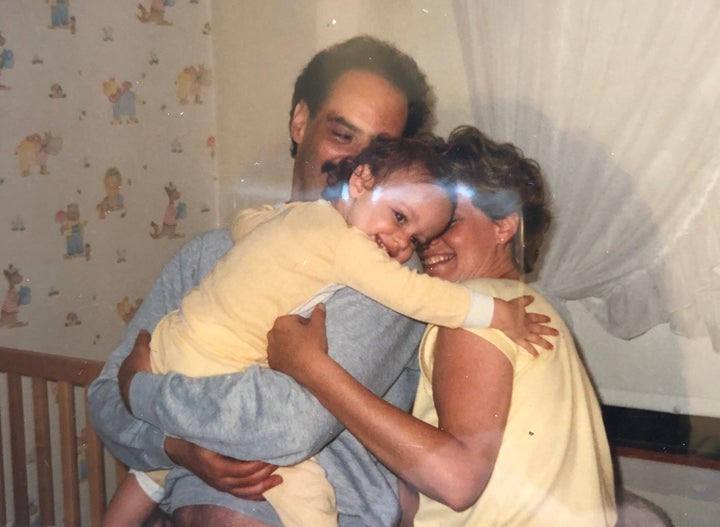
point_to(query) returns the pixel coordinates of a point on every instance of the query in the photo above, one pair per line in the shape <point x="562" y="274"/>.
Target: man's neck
<point x="305" y="188"/>
<point x="302" y="194"/>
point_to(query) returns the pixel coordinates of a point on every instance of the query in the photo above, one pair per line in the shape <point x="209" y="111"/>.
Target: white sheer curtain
<point x="619" y="101"/>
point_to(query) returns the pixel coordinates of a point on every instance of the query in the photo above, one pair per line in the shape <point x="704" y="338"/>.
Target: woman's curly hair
<point x="502" y="181"/>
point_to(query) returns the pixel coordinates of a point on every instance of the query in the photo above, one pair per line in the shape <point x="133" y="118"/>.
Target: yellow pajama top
<point x="282" y="258"/>
<point x="554" y="466"/>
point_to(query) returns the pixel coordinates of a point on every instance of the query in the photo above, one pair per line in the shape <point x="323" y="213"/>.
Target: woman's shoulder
<point x="500" y="287"/>
<point x="503" y="288"/>
<point x="509" y="289"/>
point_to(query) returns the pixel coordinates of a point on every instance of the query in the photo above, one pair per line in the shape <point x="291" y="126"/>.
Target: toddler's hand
<point x="526" y="329"/>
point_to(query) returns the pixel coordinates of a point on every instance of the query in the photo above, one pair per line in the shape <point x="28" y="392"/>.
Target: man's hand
<point x="294" y="342"/>
<point x="138" y="360"/>
<point x="244" y="479"/>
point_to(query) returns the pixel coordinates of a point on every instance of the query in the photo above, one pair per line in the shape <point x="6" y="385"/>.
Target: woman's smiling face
<point x="469" y="248"/>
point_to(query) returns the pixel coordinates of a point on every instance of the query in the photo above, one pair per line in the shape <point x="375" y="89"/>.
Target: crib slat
<point x="96" y="470"/>
<point x="17" y="449"/>
<point x="48" y="366"/>
<point x="68" y="454"/>
<point x="43" y="451"/>
<point x="70" y="374"/>
<point x="3" y="511"/>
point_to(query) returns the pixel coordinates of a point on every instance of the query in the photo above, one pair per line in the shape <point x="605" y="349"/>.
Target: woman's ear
<point x="299" y="121"/>
<point x="505" y="228"/>
<point x="361" y="180"/>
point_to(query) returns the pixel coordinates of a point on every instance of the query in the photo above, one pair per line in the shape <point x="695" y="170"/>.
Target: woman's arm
<point x="472" y="388"/>
<point x="472" y="381"/>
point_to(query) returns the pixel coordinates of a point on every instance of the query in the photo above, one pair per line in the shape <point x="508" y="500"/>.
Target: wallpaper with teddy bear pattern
<point x="107" y="161"/>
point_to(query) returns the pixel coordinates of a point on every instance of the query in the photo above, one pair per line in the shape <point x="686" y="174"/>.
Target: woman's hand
<point x="295" y="342"/>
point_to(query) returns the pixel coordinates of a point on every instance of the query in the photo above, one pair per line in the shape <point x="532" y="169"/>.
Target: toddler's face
<point x="401" y="214"/>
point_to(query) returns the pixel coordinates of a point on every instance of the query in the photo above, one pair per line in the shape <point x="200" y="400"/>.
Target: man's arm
<point x="257" y="414"/>
<point x="135" y="442"/>
<point x="262" y="414"/>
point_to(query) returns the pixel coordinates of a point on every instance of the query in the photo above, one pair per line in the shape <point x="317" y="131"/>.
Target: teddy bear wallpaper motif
<point x="189" y="81"/>
<point x="33" y="152"/>
<point x="106" y="108"/>
<point x="60" y="15"/>
<point x="15" y="296"/>
<point x="113" y="200"/>
<point x="173" y="212"/>
<point x="122" y="98"/>
<point x="7" y="60"/>
<point x="73" y="228"/>
<point x="155" y="12"/>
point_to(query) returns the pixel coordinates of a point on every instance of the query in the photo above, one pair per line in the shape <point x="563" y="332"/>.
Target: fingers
<point x="525" y="300"/>
<point x="542" y="329"/>
<point x="527" y="346"/>
<point x="253" y="478"/>
<point x="285" y="322"/>
<point x="318" y="315"/>
<point x="291" y="321"/>
<point x="137" y="360"/>
<point x="244" y="479"/>
<point x="231" y="472"/>
<point x="537" y="340"/>
<point x="534" y="343"/>
<point x="141" y="348"/>
<point x="240" y="476"/>
<point x="143" y="338"/>
<point x="255" y="492"/>
<point x="139" y="357"/>
<point x="538" y="318"/>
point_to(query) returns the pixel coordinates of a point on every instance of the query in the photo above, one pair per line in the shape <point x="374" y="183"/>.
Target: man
<point x="345" y="96"/>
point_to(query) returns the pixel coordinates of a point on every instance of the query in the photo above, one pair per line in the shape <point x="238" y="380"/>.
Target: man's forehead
<point x="367" y="103"/>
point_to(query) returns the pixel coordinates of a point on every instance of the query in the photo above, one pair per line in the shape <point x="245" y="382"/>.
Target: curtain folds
<point x="620" y="104"/>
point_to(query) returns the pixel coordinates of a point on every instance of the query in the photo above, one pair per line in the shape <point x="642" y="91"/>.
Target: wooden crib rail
<point x="68" y="373"/>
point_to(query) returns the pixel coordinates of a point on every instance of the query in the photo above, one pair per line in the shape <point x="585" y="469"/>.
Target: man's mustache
<point x="330" y="169"/>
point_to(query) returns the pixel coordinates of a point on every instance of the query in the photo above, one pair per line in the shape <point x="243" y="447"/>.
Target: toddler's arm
<point x="363" y="266"/>
<point x="366" y="268"/>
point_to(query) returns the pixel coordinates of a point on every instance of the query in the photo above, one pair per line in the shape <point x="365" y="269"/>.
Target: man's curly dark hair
<point x="366" y="53"/>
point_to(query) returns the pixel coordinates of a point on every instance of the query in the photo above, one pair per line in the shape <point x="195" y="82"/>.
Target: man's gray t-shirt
<point x="260" y="413"/>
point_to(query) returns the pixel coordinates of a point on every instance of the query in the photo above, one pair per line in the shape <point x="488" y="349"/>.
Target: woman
<point x="497" y="437"/>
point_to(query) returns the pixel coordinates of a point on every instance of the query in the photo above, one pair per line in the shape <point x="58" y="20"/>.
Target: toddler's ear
<point x="361" y="180"/>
